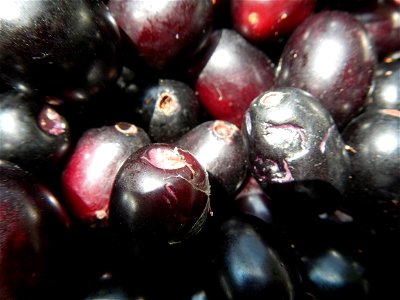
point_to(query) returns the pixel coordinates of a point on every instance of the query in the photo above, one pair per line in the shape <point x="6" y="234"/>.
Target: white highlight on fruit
<point x="9" y="10"/>
<point x="328" y="56"/>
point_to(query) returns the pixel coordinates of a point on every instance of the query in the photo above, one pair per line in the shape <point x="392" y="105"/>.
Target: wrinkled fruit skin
<point x="330" y="56"/>
<point x="48" y="45"/>
<point x="161" y="193"/>
<point x="163" y="32"/>
<point x="32" y="223"/>
<point x="291" y="137"/>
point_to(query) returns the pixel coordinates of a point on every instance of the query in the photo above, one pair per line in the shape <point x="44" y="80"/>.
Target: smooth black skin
<point x="162" y="124"/>
<point x="66" y="48"/>
<point x="331" y="274"/>
<point x="22" y="140"/>
<point x="291" y="138"/>
<point x="386" y="88"/>
<point x="33" y="231"/>
<point x="247" y="266"/>
<point x="374" y="188"/>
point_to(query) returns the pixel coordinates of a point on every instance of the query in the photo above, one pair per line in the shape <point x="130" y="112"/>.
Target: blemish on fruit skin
<point x="167" y="104"/>
<point x="271" y="98"/>
<point x="391" y="112"/>
<point x="51" y="122"/>
<point x="322" y="145"/>
<point x="126" y="128"/>
<point x="224" y="131"/>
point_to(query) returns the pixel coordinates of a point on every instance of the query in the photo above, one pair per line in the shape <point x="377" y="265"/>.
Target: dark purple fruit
<point x="331" y="274"/>
<point x="233" y="72"/>
<point x="168" y="109"/>
<point x="373" y="141"/>
<point x="247" y="266"/>
<point x="292" y="138"/>
<point x="330" y="56"/>
<point x="386" y="89"/>
<point x="161" y="193"/>
<point x="89" y="174"/>
<point x="219" y="147"/>
<point x="33" y="226"/>
<point x="33" y="135"/>
<point x="164" y="32"/>
<point x="66" y="48"/>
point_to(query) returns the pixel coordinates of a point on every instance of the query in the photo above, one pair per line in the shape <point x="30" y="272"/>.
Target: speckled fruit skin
<point x="88" y="176"/>
<point x="263" y="20"/>
<point x="161" y="193"/>
<point x="33" y="225"/>
<point x="291" y="137"/>
<point x="68" y="48"/>
<point x="164" y="32"/>
<point x="233" y="73"/>
<point x="330" y="56"/>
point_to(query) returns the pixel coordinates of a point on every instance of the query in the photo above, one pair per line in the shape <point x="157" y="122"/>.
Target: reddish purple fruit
<point x="163" y="31"/>
<point x="330" y="56"/>
<point x="161" y="193"/>
<point x="33" y="225"/>
<point x="232" y="74"/>
<point x="89" y="174"/>
<point x="263" y="20"/>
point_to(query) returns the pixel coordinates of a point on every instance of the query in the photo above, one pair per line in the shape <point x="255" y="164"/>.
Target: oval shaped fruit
<point x="33" y="225"/>
<point x="233" y="72"/>
<point x="164" y="32"/>
<point x="161" y="193"/>
<point x="220" y="148"/>
<point x="33" y="135"/>
<point x="67" y="48"/>
<point x="263" y="20"/>
<point x="88" y="176"/>
<point x="330" y="56"/>
<point x="247" y="266"/>
<point x="291" y="137"/>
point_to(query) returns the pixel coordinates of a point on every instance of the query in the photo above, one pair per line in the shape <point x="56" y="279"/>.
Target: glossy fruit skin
<point x="381" y="23"/>
<point x="373" y="140"/>
<point x="331" y="274"/>
<point x="161" y="193"/>
<point x="248" y="266"/>
<point x="386" y="88"/>
<point x="233" y="73"/>
<point x="220" y="148"/>
<point x="168" y="109"/>
<point x="330" y="56"/>
<point x="292" y="138"/>
<point x="88" y="176"/>
<point x="48" y="45"/>
<point x="263" y="20"/>
<point x="33" y="225"/>
<point x="32" y="134"/>
<point x="164" y="32"/>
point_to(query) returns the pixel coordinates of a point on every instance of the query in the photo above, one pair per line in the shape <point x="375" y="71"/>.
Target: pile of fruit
<point x="199" y="149"/>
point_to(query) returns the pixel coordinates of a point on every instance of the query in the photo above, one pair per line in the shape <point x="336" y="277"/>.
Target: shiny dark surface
<point x="373" y="141"/>
<point x="161" y="193"/>
<point x="247" y="266"/>
<point x="234" y="72"/>
<point x="292" y="138"/>
<point x="164" y="31"/>
<point x="32" y="223"/>
<point x="32" y="135"/>
<point x="89" y="173"/>
<point x="68" y="48"/>
<point x="330" y="56"/>
<point x="260" y="21"/>
<point x="168" y="109"/>
<point x="219" y="147"/>
<point x="332" y="274"/>
<point x="386" y="89"/>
